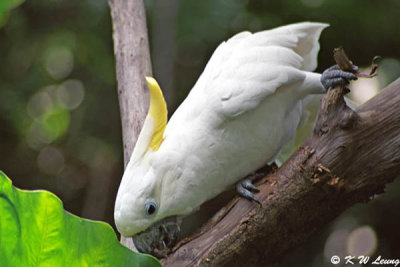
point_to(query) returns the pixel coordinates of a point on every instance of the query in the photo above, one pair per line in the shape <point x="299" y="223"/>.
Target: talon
<point x="334" y="76"/>
<point x="245" y="189"/>
<point x="247" y="184"/>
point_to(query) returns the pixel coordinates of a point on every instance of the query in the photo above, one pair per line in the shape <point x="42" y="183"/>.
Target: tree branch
<point x="131" y="48"/>
<point x="348" y="159"/>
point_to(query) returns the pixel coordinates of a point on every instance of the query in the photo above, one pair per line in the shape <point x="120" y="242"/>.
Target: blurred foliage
<point x="59" y="114"/>
<point x="5" y="6"/>
<point x="59" y="119"/>
<point x="37" y="231"/>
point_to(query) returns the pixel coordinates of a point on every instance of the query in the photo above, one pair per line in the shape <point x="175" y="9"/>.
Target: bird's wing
<point x="247" y="68"/>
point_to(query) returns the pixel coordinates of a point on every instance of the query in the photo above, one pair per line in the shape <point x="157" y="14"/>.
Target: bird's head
<point x="139" y="211"/>
<point x="137" y="203"/>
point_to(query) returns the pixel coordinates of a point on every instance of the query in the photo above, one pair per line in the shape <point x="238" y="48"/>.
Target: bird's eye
<point x="150" y="206"/>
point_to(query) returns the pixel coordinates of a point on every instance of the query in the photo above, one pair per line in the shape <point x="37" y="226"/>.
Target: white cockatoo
<point x="241" y="112"/>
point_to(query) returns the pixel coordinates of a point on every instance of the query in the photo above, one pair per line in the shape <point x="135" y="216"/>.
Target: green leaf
<point x="5" y="6"/>
<point x="35" y="230"/>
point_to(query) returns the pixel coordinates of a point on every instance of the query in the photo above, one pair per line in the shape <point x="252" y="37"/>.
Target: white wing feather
<point x="247" y="68"/>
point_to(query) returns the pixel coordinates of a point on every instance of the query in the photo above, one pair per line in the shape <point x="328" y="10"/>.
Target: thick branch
<point x="131" y="47"/>
<point x="348" y="159"/>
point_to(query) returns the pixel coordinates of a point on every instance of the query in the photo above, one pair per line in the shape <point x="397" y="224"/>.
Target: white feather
<point x="243" y="109"/>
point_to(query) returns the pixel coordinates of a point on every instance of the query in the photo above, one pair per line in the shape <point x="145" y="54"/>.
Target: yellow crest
<point x="158" y="112"/>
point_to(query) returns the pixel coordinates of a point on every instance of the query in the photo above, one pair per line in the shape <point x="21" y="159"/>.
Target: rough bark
<point x="348" y="159"/>
<point x="131" y="48"/>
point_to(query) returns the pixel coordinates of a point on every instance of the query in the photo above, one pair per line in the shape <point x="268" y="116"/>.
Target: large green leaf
<point x="35" y="230"/>
<point x="5" y="6"/>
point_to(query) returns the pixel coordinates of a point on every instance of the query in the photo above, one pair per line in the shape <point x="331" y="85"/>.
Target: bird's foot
<point x="334" y="76"/>
<point x="246" y="189"/>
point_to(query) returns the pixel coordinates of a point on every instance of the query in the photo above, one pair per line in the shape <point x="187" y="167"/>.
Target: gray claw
<point x="245" y="189"/>
<point x="247" y="184"/>
<point x="334" y="76"/>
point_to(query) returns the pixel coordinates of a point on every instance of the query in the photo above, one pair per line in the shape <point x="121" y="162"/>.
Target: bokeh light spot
<point x="38" y="104"/>
<point x="56" y="122"/>
<point x="59" y="62"/>
<point x="336" y="244"/>
<point x="71" y="93"/>
<point x="48" y="127"/>
<point x="363" y="89"/>
<point x="50" y="160"/>
<point x="362" y="241"/>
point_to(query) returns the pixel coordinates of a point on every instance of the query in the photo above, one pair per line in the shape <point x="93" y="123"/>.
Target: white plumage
<point x="243" y="109"/>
